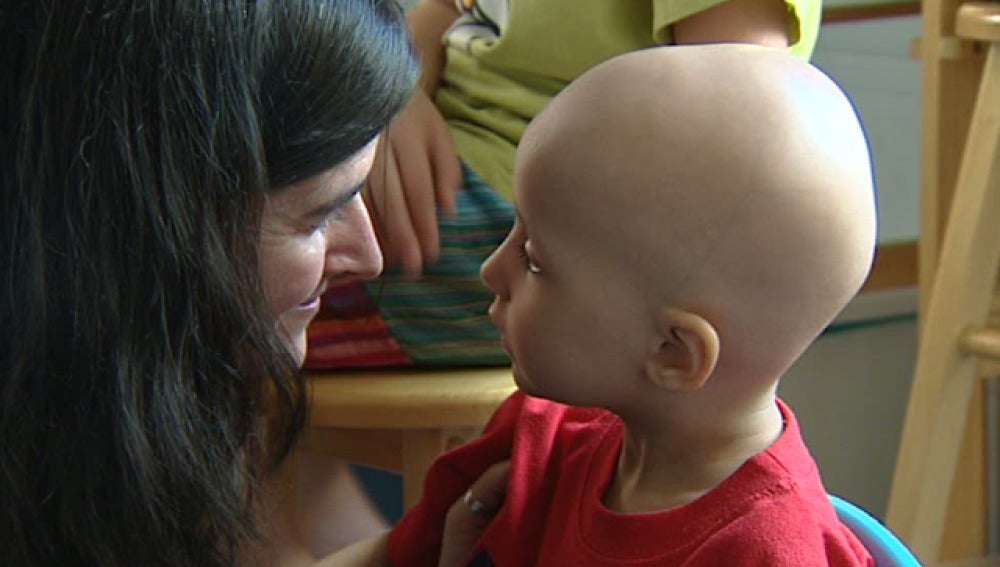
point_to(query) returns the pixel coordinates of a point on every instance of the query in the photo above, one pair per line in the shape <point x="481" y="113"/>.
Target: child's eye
<point x="526" y="257"/>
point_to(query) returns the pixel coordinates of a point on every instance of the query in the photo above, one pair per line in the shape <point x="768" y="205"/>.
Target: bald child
<point x="673" y="255"/>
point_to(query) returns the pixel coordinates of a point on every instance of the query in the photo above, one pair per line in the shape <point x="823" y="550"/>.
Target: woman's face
<point x="316" y="232"/>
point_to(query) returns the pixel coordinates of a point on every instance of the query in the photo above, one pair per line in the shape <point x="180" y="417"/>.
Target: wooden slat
<point x="859" y="12"/>
<point x="981" y="342"/>
<point x="979" y="21"/>
<point x="895" y="266"/>
<point x="963" y="286"/>
<point x="992" y="561"/>
<point x="951" y="70"/>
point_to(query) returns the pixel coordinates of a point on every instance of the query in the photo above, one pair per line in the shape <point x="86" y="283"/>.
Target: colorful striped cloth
<point x="437" y="320"/>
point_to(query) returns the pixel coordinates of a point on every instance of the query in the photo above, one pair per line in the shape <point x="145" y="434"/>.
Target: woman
<point x="179" y="185"/>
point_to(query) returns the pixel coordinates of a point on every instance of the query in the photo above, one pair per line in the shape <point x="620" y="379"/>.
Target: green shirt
<point x="505" y="59"/>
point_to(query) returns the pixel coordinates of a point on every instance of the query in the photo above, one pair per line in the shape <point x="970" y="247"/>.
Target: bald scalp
<point x="734" y="181"/>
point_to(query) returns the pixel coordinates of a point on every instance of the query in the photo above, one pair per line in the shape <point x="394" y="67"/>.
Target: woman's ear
<point x="685" y="352"/>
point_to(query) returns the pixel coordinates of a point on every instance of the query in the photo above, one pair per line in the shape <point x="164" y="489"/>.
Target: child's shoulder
<point x="789" y="530"/>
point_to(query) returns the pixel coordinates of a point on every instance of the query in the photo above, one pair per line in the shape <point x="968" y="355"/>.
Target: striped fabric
<point x="437" y="320"/>
<point x="350" y="333"/>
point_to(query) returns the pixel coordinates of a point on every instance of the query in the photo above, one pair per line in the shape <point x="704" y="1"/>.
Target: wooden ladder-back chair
<point x="959" y="262"/>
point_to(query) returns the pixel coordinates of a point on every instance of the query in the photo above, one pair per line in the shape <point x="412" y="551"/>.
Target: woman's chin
<point x="294" y="323"/>
<point x="299" y="350"/>
<point x="296" y="341"/>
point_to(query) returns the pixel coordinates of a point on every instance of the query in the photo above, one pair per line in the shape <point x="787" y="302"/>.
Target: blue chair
<point x="887" y="549"/>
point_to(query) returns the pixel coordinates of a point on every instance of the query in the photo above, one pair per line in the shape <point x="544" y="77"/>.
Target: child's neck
<point x="665" y="466"/>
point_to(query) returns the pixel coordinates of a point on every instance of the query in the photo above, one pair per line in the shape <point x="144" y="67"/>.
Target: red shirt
<point x="772" y="511"/>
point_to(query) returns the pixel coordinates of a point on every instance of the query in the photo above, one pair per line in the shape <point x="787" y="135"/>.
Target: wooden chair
<point x="961" y="54"/>
<point x="402" y="419"/>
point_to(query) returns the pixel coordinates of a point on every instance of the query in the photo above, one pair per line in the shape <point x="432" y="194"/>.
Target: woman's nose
<point x="353" y="249"/>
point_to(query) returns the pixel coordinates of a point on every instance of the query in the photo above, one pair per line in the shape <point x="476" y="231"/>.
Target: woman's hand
<point x="469" y="517"/>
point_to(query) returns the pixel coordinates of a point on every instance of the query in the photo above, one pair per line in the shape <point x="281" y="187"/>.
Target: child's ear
<point x="685" y="352"/>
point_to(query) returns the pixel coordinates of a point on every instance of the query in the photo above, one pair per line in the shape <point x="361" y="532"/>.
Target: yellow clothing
<point x="507" y="58"/>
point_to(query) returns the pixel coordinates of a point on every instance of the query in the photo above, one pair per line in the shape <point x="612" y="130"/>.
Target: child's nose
<point x="491" y="271"/>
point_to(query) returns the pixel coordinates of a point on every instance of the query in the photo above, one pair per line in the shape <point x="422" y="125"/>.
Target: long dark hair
<point x="138" y="360"/>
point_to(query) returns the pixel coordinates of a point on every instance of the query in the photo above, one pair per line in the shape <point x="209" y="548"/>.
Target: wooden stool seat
<point x="401" y="419"/>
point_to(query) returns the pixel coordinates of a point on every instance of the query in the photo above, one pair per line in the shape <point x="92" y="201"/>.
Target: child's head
<point x="690" y="218"/>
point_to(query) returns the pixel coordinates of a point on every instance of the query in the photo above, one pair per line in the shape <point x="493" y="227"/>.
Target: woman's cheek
<point x="292" y="271"/>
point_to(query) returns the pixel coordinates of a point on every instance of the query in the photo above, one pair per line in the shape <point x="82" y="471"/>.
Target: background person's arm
<point x="763" y="22"/>
<point x="427" y="21"/>
<point x="416" y="170"/>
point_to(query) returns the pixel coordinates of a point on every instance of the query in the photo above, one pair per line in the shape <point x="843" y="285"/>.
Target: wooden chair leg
<point x="420" y="447"/>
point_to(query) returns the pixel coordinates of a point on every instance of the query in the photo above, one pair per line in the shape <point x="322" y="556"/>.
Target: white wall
<point x="870" y="61"/>
<point x="850" y="390"/>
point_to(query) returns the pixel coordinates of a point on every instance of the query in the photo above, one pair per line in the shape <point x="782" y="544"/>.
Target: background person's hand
<point x="416" y="174"/>
<point x="466" y="523"/>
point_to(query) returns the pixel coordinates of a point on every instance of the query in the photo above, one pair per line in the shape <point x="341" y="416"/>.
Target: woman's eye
<point x="324" y="221"/>
<point x="318" y="226"/>
<point x="334" y="211"/>
<point x="529" y="263"/>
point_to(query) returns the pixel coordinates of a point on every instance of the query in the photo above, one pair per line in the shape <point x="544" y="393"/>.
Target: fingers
<point x="476" y="508"/>
<point x="395" y="230"/>
<point x="466" y="523"/>
<point x="416" y="173"/>
<point x="429" y="170"/>
<point x="490" y="488"/>
<point x="400" y="232"/>
<point x="418" y="189"/>
<point x="447" y="168"/>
